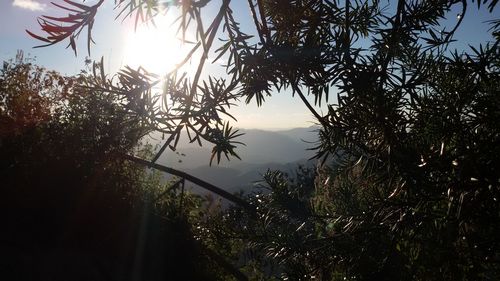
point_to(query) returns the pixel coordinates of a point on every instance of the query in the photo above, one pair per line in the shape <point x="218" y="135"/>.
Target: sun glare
<point x="157" y="49"/>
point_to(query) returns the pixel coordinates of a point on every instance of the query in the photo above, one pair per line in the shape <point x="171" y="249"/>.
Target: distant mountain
<point x="276" y="150"/>
<point x="242" y="177"/>
<point x="260" y="147"/>
<point x="308" y="135"/>
<point x="266" y="146"/>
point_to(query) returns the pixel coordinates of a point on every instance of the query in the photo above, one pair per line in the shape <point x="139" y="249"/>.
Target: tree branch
<point x="256" y="22"/>
<point x="208" y="186"/>
<point x="214" y="26"/>
<point x="265" y="29"/>
<point x="309" y="106"/>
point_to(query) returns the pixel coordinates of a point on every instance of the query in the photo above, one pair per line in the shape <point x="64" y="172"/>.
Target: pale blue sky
<point x="280" y="111"/>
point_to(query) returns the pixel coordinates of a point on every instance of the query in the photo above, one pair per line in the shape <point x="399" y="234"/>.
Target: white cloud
<point x="29" y="5"/>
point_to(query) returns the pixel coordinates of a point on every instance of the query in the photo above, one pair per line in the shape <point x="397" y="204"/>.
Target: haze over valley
<point x="281" y="150"/>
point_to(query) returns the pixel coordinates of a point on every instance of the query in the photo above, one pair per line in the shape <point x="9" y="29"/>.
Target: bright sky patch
<point x="29" y="5"/>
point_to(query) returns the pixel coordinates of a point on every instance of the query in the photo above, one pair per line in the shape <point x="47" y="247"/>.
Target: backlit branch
<point x="58" y="29"/>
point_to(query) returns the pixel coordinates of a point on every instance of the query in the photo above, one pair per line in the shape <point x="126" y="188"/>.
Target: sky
<point x="117" y="42"/>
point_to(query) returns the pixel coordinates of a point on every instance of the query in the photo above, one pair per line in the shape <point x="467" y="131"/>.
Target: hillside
<point x="275" y="150"/>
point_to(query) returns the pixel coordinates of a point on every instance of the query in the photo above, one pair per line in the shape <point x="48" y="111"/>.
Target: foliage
<point x="413" y="133"/>
<point x="72" y="208"/>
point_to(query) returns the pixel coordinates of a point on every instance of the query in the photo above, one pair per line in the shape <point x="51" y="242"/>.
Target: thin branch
<point x="167" y="143"/>
<point x="395" y="28"/>
<point x="208" y="186"/>
<point x="265" y="29"/>
<point x="217" y="21"/>
<point x="256" y="22"/>
<point x="347" y="35"/>
<point x="309" y="106"/>
<point x="214" y="27"/>
<point x="461" y="18"/>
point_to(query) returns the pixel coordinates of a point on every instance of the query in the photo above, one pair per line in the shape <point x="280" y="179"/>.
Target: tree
<point x="72" y="208"/>
<point x="414" y="190"/>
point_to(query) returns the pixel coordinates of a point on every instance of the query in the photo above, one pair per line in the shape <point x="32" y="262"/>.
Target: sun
<point x="157" y="47"/>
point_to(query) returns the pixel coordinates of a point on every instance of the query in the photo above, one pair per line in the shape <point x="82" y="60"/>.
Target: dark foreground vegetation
<point x="70" y="208"/>
<point x="407" y="186"/>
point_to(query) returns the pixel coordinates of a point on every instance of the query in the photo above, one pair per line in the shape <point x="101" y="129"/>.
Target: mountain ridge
<point x="281" y="150"/>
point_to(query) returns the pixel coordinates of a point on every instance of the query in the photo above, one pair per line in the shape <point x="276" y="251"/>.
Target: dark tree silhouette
<point x="71" y="207"/>
<point x="411" y="186"/>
